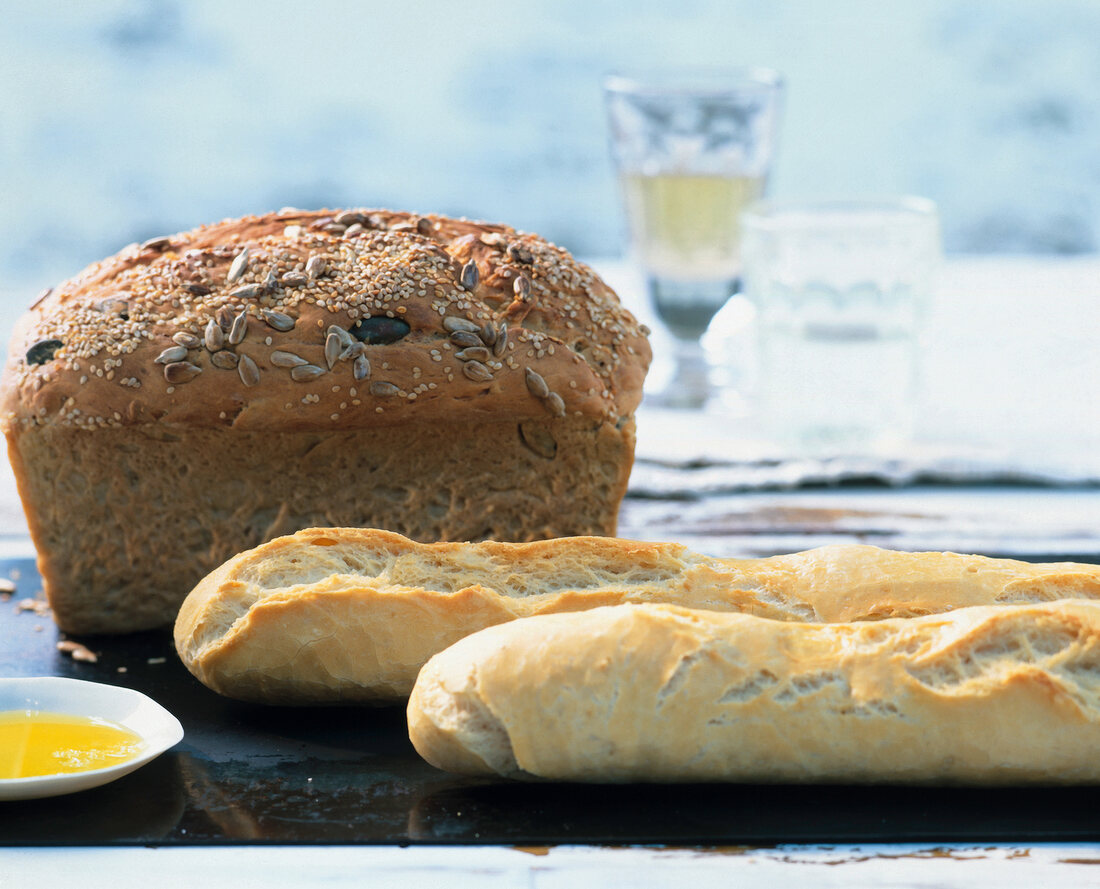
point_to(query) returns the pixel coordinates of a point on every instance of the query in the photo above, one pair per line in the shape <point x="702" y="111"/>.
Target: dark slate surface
<point x="249" y="774"/>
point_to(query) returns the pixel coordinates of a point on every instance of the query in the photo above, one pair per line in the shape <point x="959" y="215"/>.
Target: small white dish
<point x="157" y="728"/>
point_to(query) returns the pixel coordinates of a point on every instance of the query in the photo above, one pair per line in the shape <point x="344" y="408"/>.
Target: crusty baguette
<point x="980" y="695"/>
<point x="351" y="615"/>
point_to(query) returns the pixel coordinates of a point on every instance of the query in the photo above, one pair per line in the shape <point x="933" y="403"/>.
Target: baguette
<point x="345" y="615"/>
<point x="981" y="695"/>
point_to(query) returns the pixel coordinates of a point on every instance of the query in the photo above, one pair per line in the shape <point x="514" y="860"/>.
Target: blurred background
<point x="125" y="119"/>
<point x="121" y="120"/>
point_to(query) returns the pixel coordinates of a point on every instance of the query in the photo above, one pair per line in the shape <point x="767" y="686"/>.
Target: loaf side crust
<point x="128" y="520"/>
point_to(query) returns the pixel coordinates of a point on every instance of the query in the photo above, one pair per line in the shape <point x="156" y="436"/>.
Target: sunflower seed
<point x="224" y="359"/>
<point x="294" y="279"/>
<point x="181" y="372"/>
<point x="304" y="372"/>
<point x="488" y="333"/>
<point x="452" y="323"/>
<point x="470" y="276"/>
<point x="224" y="318"/>
<point x="239" y="329"/>
<point x="361" y="368"/>
<point x="237" y="267"/>
<point x="522" y="287"/>
<point x="156" y="244"/>
<point x="315" y="267"/>
<point x="332" y="350"/>
<point x="213" y="335"/>
<point x="334" y="229"/>
<point x="249" y="372"/>
<point x="346" y="339"/>
<point x="474" y="353"/>
<point x="350" y="217"/>
<point x="270" y="282"/>
<point x="187" y="340"/>
<point x="354" y="229"/>
<point x="477" y="371"/>
<point x="554" y="404"/>
<point x="424" y="226"/>
<point x="539" y="439"/>
<point x="519" y="253"/>
<point x="249" y="291"/>
<point x="383" y="390"/>
<point x="197" y="289"/>
<point x="113" y="305"/>
<point x="536" y="385"/>
<point x="287" y="359"/>
<point x="502" y="339"/>
<point x="352" y="350"/>
<point x="278" y="320"/>
<point x="463" y="339"/>
<point x="171" y="355"/>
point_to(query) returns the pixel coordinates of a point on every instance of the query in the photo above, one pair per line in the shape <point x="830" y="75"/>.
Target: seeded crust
<point x="347" y="615"/>
<point x="981" y="695"/>
<point x="328" y="367"/>
<point x="112" y="322"/>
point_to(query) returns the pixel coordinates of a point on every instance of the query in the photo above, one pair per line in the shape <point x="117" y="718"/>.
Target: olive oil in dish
<point x="34" y="743"/>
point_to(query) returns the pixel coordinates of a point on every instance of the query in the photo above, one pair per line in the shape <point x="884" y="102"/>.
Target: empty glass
<point x="839" y="287"/>
<point x="692" y="150"/>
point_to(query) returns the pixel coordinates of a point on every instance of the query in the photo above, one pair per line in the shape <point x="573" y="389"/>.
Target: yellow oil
<point x="34" y="743"/>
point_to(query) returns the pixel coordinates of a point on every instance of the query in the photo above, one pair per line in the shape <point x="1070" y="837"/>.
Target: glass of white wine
<point x="692" y="150"/>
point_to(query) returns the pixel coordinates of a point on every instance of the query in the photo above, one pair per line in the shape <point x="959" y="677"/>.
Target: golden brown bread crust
<point x="86" y="354"/>
<point x="347" y="615"/>
<point x="980" y="695"/>
<point x="199" y="394"/>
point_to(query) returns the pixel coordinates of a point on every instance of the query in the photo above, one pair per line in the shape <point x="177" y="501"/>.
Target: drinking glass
<point x="840" y="288"/>
<point x="692" y="150"/>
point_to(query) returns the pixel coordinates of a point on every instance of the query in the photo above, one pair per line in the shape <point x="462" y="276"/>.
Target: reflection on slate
<point x="249" y="774"/>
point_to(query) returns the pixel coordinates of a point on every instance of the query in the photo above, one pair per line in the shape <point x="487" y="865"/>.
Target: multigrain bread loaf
<point x="198" y="394"/>
<point x="980" y="695"/>
<point x="349" y="615"/>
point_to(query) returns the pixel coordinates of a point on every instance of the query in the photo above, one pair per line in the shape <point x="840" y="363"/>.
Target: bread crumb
<point x="77" y="651"/>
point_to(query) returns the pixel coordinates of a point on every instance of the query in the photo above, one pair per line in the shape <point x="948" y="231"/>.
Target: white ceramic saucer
<point x="157" y="728"/>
